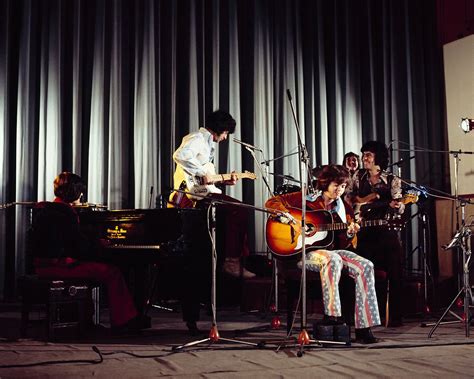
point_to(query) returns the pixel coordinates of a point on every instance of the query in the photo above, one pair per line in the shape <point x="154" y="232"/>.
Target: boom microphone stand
<point x="214" y="333"/>
<point x="303" y="338"/>
<point x="213" y="336"/>
<point x="423" y="247"/>
<point x="275" y="323"/>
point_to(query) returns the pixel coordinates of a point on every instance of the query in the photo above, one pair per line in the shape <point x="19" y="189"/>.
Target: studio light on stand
<point x="467" y="124"/>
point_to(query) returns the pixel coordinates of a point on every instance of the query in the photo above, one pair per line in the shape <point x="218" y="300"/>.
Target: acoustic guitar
<point x="285" y="239"/>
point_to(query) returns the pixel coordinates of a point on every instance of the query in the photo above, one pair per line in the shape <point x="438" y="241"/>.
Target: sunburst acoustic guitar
<point x="285" y="239"/>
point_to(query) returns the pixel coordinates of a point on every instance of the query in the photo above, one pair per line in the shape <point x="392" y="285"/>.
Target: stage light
<point x="467" y="124"/>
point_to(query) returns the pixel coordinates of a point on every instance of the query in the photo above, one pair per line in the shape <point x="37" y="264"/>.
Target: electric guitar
<point x="193" y="184"/>
<point x="285" y="239"/>
<point x="358" y="201"/>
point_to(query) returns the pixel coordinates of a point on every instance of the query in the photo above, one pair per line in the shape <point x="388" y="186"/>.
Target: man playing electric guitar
<point x="194" y="167"/>
<point x="330" y="260"/>
<point x="385" y="199"/>
<point x="195" y="174"/>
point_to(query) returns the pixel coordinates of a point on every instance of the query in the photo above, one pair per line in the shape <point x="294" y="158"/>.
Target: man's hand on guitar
<point x="233" y="179"/>
<point x="395" y="203"/>
<point x="398" y="205"/>
<point x="205" y="180"/>
<point x="285" y="218"/>
<point x="353" y="228"/>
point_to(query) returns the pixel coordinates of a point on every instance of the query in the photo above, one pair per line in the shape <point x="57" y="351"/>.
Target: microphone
<point x="288" y="93"/>
<point x="151" y="196"/>
<point x="247" y="145"/>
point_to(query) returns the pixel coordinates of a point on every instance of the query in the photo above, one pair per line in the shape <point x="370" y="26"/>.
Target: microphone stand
<point x="423" y="216"/>
<point x="267" y="162"/>
<point x="463" y="243"/>
<point x="214" y="336"/>
<point x="276" y="322"/>
<point x="305" y="184"/>
<point x="303" y="338"/>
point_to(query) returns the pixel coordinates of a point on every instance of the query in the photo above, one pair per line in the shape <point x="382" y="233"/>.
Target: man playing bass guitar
<point x="333" y="256"/>
<point x="384" y="248"/>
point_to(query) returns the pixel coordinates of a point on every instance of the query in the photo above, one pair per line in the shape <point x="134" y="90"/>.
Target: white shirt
<point x="195" y="151"/>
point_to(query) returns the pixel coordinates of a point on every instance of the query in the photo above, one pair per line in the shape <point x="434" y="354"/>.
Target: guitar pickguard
<point x="311" y="240"/>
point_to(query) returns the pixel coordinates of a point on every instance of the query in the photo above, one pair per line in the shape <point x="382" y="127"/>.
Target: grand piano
<point x="164" y="253"/>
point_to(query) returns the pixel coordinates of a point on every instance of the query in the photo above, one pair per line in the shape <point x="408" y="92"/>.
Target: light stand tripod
<point x="462" y="239"/>
<point x="459" y="205"/>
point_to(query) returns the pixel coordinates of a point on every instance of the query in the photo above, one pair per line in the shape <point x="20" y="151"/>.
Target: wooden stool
<point x="66" y="302"/>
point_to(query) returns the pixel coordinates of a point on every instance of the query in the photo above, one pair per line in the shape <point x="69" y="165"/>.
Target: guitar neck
<point x="343" y="225"/>
<point x="223" y="177"/>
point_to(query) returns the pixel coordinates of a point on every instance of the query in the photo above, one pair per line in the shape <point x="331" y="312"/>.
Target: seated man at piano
<point x="327" y="252"/>
<point x="61" y="251"/>
<point x="195" y="173"/>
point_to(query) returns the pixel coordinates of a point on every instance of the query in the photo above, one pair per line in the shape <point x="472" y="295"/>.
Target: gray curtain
<point x="107" y="89"/>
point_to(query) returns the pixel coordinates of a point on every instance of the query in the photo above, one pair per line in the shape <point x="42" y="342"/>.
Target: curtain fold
<point x="107" y="89"/>
<point x="98" y="190"/>
<point x="146" y="131"/>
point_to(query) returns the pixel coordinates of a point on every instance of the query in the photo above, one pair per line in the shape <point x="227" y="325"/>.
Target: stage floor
<point x="402" y="352"/>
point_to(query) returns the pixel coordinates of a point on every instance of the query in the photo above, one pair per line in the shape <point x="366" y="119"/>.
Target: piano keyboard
<point x="135" y="247"/>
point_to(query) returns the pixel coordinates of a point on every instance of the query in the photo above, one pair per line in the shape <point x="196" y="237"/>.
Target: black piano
<point x="164" y="253"/>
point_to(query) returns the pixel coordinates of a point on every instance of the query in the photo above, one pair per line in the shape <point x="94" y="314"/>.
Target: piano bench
<point x="67" y="303"/>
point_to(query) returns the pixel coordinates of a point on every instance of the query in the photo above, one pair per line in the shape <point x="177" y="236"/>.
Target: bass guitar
<point x="358" y="201"/>
<point x="284" y="239"/>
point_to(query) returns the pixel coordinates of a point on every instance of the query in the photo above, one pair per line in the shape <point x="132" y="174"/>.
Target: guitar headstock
<point x="249" y="175"/>
<point x="409" y="198"/>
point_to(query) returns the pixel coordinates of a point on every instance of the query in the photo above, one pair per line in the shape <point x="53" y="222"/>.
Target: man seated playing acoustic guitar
<point x="330" y="259"/>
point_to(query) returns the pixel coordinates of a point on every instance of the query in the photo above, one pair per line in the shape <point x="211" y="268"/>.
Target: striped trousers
<point x="329" y="264"/>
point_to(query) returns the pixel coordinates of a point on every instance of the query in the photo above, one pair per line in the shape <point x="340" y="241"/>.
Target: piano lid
<point x="143" y="226"/>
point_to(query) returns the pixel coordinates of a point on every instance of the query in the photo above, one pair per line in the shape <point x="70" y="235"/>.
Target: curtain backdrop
<point x="107" y="89"/>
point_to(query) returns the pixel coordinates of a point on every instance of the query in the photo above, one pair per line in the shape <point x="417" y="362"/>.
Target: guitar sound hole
<point x="310" y="230"/>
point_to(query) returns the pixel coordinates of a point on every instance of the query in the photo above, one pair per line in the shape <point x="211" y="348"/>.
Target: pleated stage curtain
<point x="107" y="89"/>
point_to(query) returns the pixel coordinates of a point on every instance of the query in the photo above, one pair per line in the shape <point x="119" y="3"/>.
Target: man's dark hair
<point x="68" y="186"/>
<point x="220" y="121"/>
<point x="332" y="173"/>
<point x="379" y="149"/>
<point x="348" y="155"/>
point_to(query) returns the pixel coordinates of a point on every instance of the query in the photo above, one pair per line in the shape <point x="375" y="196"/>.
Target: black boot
<point x="331" y="320"/>
<point x="193" y="328"/>
<point x="365" y="336"/>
